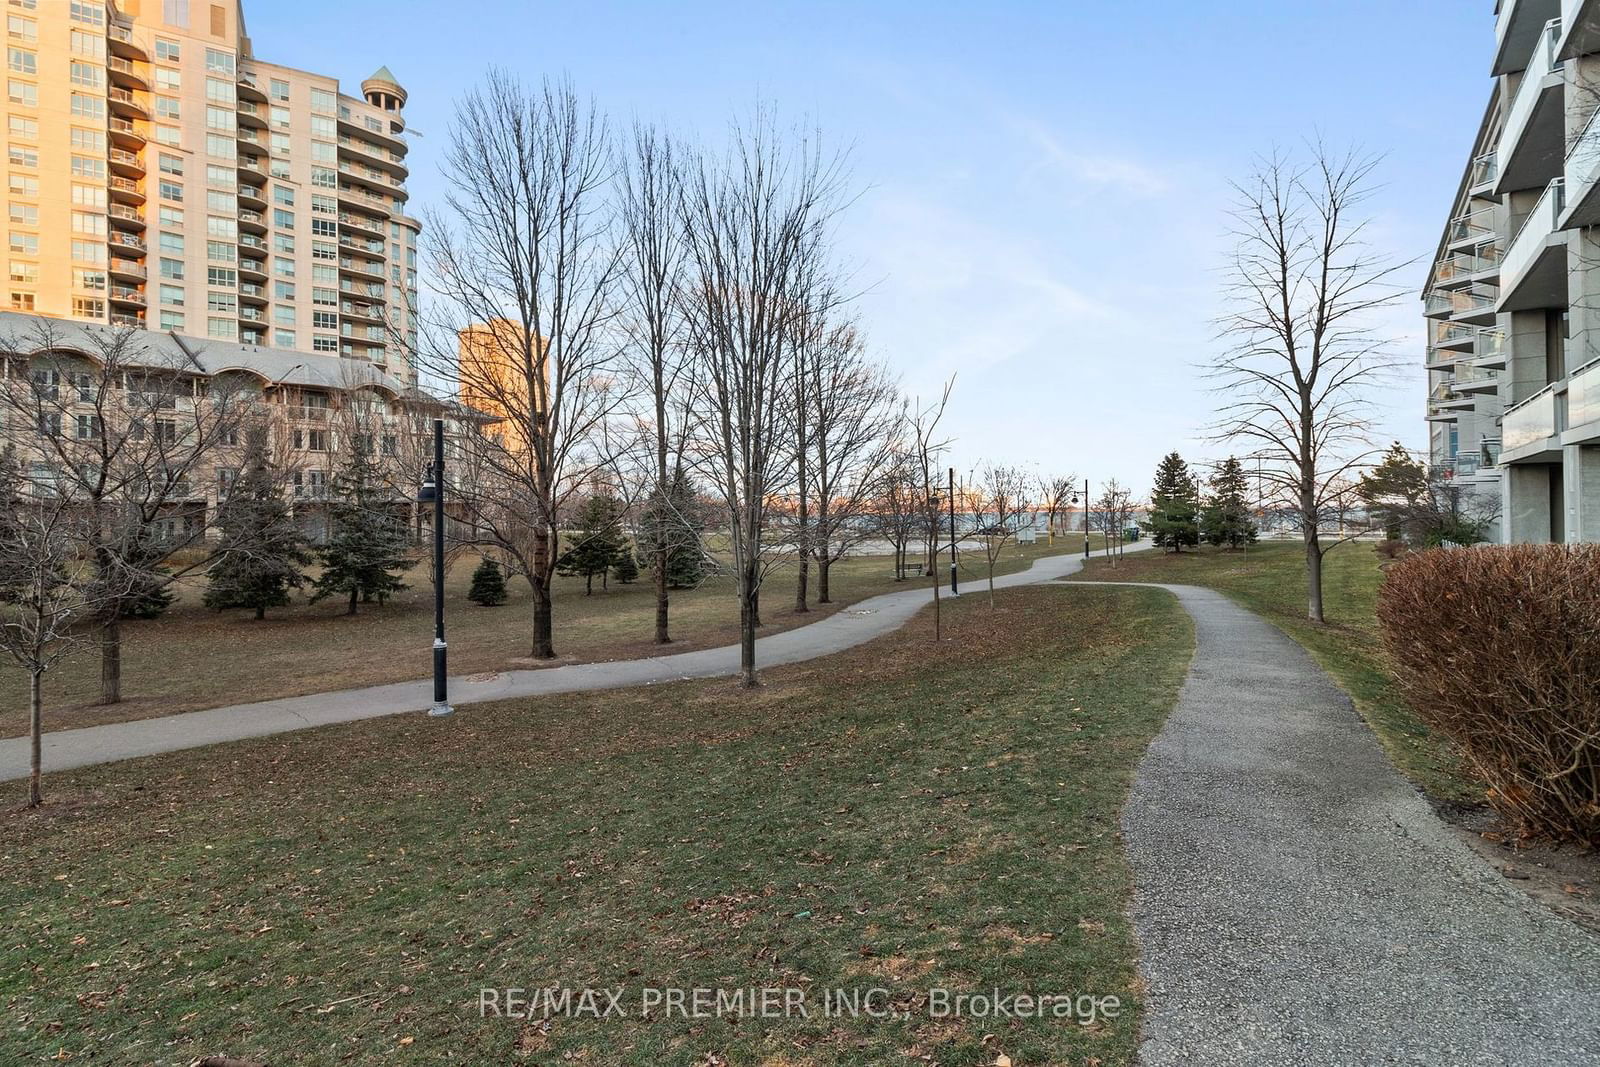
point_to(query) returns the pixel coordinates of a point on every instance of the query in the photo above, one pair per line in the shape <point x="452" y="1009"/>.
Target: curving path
<point x="850" y="626"/>
<point x="1299" y="902"/>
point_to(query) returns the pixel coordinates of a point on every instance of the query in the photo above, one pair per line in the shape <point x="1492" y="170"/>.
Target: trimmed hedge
<point x="1498" y="648"/>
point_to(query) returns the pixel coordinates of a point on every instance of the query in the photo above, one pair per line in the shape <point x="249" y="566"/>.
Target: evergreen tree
<point x="1226" y="520"/>
<point x="598" y="544"/>
<point x="364" y="557"/>
<point x="1393" y="489"/>
<point x="1174" y="505"/>
<point x="149" y="599"/>
<point x="678" y="515"/>
<point x="261" y="550"/>
<point x="488" y="584"/>
<point x="626" y="569"/>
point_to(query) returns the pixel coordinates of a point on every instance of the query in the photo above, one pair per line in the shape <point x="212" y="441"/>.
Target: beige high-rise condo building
<point x="1514" y="298"/>
<point x="159" y="174"/>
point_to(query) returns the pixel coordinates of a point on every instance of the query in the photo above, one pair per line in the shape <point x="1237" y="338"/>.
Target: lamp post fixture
<point x="432" y="491"/>
<point x="1086" y="519"/>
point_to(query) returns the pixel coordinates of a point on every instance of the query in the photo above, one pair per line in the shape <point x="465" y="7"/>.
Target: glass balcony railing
<point x="1452" y="333"/>
<point x="1467" y="374"/>
<point x="1491" y="344"/>
<point x="1583" y="158"/>
<point x="1530" y="238"/>
<point x="1467" y="262"/>
<point x="1485" y="169"/>
<point x="1472" y="226"/>
<point x="1531" y="421"/>
<point x="1583" y="395"/>
<point x="1542" y="62"/>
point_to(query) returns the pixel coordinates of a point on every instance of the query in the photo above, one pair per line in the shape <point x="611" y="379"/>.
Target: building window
<point x="168" y="135"/>
<point x="22" y="156"/>
<point x="172" y="320"/>
<point x="284" y="220"/>
<point x="324" y="178"/>
<point x="278" y="116"/>
<point x="22" y="61"/>
<point x="25" y="128"/>
<point x="84" y="167"/>
<point x="89" y="251"/>
<point x="278" y="89"/>
<point x="172" y="269"/>
<point x="218" y="61"/>
<point x="24" y="272"/>
<point x="27" y="94"/>
<point x="175" y="13"/>
<point x="172" y="295"/>
<point x="89" y="107"/>
<point x="321" y="342"/>
<point x="283" y="267"/>
<point x="85" y="12"/>
<point x="171" y="242"/>
<point x="88" y="427"/>
<point x="86" y="74"/>
<point x="324" y="320"/>
<point x="89" y="195"/>
<point x="168" y="51"/>
<point x="22" y="28"/>
<point x="168" y="80"/>
<point x="88" y="307"/>
<point x="221" y="276"/>
<point x="323" y="102"/>
<point x="22" y="301"/>
<point x="222" y="302"/>
<point x="283" y="338"/>
<point x="87" y="44"/>
<point x="225" y="329"/>
<point x="93" y="280"/>
<point x="221" y="251"/>
<point x="23" y="214"/>
<point x="168" y="107"/>
<point x="169" y="190"/>
<point x="87" y="140"/>
<point x="169" y="216"/>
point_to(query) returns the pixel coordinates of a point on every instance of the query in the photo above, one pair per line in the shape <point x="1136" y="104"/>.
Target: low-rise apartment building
<point x="1513" y="301"/>
<point x="76" y="397"/>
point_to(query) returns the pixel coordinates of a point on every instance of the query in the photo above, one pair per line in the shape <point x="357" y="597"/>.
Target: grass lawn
<point x="192" y="658"/>
<point x="1269" y="579"/>
<point x="342" y="895"/>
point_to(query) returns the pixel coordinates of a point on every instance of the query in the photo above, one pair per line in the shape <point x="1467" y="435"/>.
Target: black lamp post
<point x="1086" y="518"/>
<point x="432" y="491"/>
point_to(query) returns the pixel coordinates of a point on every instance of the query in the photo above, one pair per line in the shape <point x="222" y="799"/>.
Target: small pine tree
<point x="1393" y="489"/>
<point x="364" y="557"/>
<point x="149" y="599"/>
<point x="1174" y="519"/>
<point x="626" y="569"/>
<point x="678" y="515"/>
<point x="1226" y="520"/>
<point x="261" y="550"/>
<point x="598" y="543"/>
<point x="488" y="585"/>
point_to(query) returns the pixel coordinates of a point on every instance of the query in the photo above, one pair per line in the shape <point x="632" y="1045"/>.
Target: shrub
<point x="1498" y="648"/>
<point x="488" y="585"/>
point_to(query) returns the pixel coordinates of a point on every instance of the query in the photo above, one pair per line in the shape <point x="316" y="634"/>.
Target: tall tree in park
<point x="523" y="271"/>
<point x="1305" y="292"/>
<point x="127" y="422"/>
<point x="674" y="519"/>
<point x="852" y="418"/>
<point x="928" y="447"/>
<point x="1055" y="497"/>
<point x="1226" y="519"/>
<point x="597" y="544"/>
<point x="756" y="223"/>
<point x="1004" y="504"/>
<point x="48" y="595"/>
<point x="1174" y="505"/>
<point x="651" y="279"/>
<point x="1393" y="489"/>
<point x="261" y="552"/>
<point x="367" y="550"/>
<point x="1113" y="512"/>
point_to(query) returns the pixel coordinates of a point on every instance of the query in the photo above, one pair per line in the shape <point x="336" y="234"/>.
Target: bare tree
<point x="851" y="405"/>
<point x="51" y="593"/>
<point x="1002" y="503"/>
<point x="524" y="273"/>
<point x="1304" y="286"/>
<point x="756" y="224"/>
<point x="651" y="277"/>
<point x="1055" y="496"/>
<point x="1113" y="512"/>
<point x="130" y="431"/>
<point x="898" y="507"/>
<point x="928" y="449"/>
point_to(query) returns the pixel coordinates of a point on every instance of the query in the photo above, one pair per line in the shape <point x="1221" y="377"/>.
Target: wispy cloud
<point x="1092" y="167"/>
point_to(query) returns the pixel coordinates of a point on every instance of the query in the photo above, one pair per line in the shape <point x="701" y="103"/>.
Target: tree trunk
<point x="543" y="644"/>
<point x="749" y="619"/>
<point x="823" y="563"/>
<point x="1313" y="577"/>
<point x="803" y="575"/>
<point x="35" y="736"/>
<point x="354" y="596"/>
<point x="991" y="587"/>
<point x="261" y="612"/>
<point x="662" y="637"/>
<point x="111" y="661"/>
<point x="588" y="584"/>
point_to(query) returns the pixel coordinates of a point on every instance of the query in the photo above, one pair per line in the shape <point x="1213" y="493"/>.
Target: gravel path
<point x="1299" y="902"/>
<point x="66" y="749"/>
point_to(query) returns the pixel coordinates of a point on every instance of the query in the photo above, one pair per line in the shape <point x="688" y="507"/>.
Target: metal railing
<point x="1472" y="225"/>
<point x="1485" y="169"/>
<point x="1583" y="394"/>
<point x="1543" y="61"/>
<point x="1529" y="421"/>
<point x="1530" y="236"/>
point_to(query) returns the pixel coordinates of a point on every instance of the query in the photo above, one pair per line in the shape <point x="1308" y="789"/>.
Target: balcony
<point x="124" y="103"/>
<point x="1534" y="271"/>
<point x="126" y="269"/>
<point x="253" y="292"/>
<point x="123" y="294"/>
<point x="361" y="267"/>
<point x="123" y="44"/>
<point x="253" y="196"/>
<point x="134" y="321"/>
<point x="1582" y="172"/>
<point x="1474" y="304"/>
<point x="256" y="267"/>
<point x="1583" y="405"/>
<point x="253" y="222"/>
<point x="1532" y="142"/>
<point x="1528" y="429"/>
<point x="1471" y="378"/>
<point x="1484" y="172"/>
<point x="1473" y="228"/>
<point x="1580" y="24"/>
<point x="1490" y="350"/>
<point x="1518" y="24"/>
<point x="125" y="163"/>
<point x="126" y="243"/>
<point x="364" y="223"/>
<point x="252" y="114"/>
<point x="249" y="90"/>
<point x="367" y="153"/>
<point x="125" y="75"/>
<point x="1454" y="336"/>
<point x="1460" y="268"/>
<point x="123" y="215"/>
<point x="125" y="134"/>
<point x="126" y="190"/>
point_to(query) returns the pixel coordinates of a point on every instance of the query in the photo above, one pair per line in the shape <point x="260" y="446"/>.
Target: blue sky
<point x="1044" y="184"/>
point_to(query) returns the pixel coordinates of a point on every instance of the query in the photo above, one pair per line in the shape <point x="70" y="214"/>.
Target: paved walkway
<point x="1298" y="902"/>
<point x="66" y="749"/>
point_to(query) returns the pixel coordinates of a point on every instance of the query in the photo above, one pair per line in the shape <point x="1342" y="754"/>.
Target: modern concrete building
<point x="1513" y="301"/>
<point x="161" y="175"/>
